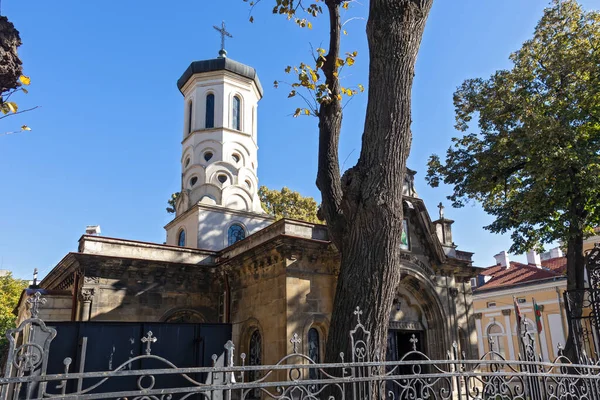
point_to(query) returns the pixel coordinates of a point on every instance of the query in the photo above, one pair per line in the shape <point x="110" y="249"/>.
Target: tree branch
<point x="19" y="112"/>
<point x="330" y="123"/>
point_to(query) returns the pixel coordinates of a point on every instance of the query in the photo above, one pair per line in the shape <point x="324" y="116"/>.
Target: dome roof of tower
<point x="220" y="64"/>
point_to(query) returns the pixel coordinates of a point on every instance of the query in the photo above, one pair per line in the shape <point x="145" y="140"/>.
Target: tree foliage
<point x="10" y="291"/>
<point x="12" y="80"/>
<point x="535" y="162"/>
<point x="172" y="202"/>
<point x="286" y="203"/>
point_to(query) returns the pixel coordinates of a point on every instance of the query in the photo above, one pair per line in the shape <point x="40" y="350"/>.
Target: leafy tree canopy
<point x="534" y="163"/>
<point x="286" y="203"/>
<point x="10" y="291"/>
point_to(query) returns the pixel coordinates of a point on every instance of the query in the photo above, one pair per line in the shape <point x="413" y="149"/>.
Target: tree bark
<point x="364" y="210"/>
<point x="575" y="274"/>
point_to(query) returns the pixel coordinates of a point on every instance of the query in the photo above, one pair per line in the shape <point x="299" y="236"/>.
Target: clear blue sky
<point x="105" y="144"/>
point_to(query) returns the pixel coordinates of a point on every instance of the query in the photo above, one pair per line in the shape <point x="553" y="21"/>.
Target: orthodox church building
<point x="226" y="261"/>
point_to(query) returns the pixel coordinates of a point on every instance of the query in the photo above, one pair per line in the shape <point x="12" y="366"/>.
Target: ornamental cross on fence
<point x="295" y="341"/>
<point x="149" y="339"/>
<point x="34" y="302"/>
<point x="414" y="375"/>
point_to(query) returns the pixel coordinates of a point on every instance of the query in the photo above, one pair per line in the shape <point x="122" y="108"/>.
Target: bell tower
<point x="218" y="202"/>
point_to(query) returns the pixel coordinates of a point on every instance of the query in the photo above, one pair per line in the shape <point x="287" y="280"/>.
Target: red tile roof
<point x="522" y="273"/>
<point x="558" y="265"/>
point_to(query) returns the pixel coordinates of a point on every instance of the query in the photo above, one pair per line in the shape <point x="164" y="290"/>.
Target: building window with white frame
<point x="236" y="113"/>
<point x="496" y="339"/>
<point x="209" y="120"/>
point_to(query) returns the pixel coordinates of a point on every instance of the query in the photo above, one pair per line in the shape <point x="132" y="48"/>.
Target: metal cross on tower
<point x="441" y="207"/>
<point x="149" y="339"/>
<point x="224" y="34"/>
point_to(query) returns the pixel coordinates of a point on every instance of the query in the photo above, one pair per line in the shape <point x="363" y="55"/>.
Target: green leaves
<point x="171" y="209"/>
<point x="286" y="203"/>
<point x="10" y="292"/>
<point x="535" y="154"/>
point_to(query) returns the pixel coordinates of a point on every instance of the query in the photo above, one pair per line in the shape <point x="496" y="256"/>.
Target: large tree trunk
<point x="575" y="281"/>
<point x="364" y="211"/>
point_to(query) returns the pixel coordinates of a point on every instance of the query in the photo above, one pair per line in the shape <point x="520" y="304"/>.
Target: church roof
<point x="219" y="64"/>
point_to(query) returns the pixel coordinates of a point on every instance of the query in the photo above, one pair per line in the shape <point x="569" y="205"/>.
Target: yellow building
<point x="495" y="290"/>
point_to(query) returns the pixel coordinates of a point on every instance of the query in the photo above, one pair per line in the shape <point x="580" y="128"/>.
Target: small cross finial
<point x="295" y="341"/>
<point x="149" y="339"/>
<point x="35" y="275"/>
<point x="358" y="312"/>
<point x="441" y="207"/>
<point x="35" y="302"/>
<point x="413" y="340"/>
<point x="224" y="33"/>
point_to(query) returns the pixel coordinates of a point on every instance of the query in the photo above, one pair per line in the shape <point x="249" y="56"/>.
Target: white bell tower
<point x="218" y="203"/>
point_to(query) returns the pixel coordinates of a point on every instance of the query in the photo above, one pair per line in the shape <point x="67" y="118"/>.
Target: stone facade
<point x="269" y="280"/>
<point x="279" y="281"/>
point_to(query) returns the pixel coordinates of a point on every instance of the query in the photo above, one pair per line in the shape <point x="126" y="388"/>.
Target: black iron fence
<point x="355" y="376"/>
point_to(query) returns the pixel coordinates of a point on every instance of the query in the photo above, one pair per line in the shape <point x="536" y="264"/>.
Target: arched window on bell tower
<point x="190" y="113"/>
<point x="235" y="233"/>
<point x="181" y="238"/>
<point x="209" y="121"/>
<point x="236" y="113"/>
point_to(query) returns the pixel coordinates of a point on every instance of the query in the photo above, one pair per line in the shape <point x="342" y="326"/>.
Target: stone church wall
<point x="258" y="301"/>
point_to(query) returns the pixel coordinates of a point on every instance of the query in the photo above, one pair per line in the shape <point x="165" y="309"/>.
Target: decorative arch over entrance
<point x="418" y="311"/>
<point x="183" y="316"/>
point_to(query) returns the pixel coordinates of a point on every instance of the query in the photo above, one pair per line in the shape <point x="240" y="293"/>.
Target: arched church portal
<point x="184" y="316"/>
<point x="416" y="320"/>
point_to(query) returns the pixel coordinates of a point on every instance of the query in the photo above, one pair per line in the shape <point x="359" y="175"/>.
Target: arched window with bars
<point x="235" y="233"/>
<point x="314" y="351"/>
<point x="254" y="358"/>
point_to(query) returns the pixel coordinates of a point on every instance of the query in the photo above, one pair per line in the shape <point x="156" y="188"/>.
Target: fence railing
<point x="356" y="376"/>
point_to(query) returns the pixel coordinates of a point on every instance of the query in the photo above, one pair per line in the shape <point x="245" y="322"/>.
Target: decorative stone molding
<point x="506" y="312"/>
<point x="91" y="279"/>
<point x="87" y="295"/>
<point x="478" y="315"/>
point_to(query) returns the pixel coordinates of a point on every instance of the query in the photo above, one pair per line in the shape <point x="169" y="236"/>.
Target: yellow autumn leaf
<point x="306" y="111"/>
<point x="25" y="128"/>
<point x="345" y="5"/>
<point x="361" y="87"/>
<point x="309" y="25"/>
<point x="25" y="80"/>
<point x="345" y="32"/>
<point x="349" y="61"/>
<point x="12" y="106"/>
